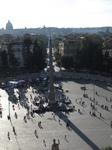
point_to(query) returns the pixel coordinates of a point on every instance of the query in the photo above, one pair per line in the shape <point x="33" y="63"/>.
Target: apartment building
<point x="107" y="46"/>
<point x="68" y="46"/>
<point x="17" y="49"/>
<point x="2" y="48"/>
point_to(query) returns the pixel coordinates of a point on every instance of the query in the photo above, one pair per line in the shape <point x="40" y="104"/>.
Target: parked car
<point x="30" y="80"/>
<point x="37" y="80"/>
<point x="66" y="101"/>
<point x="13" y="84"/>
<point x="36" y="110"/>
<point x="69" y="108"/>
<point x="21" y="83"/>
<point x="45" y="82"/>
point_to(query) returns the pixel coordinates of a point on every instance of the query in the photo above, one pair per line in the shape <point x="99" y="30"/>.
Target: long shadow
<point x="102" y="119"/>
<point x="15" y="135"/>
<point x="79" y="132"/>
<point x="102" y="84"/>
<point x="23" y="100"/>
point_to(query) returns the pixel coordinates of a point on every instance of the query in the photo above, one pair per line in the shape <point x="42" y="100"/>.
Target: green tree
<point x="98" y="60"/>
<point x="38" y="57"/>
<point x="4" y="60"/>
<point x="43" y="45"/>
<point x="109" y="37"/>
<point x="27" y="43"/>
<point x="12" y="59"/>
<point x="67" y="61"/>
<point x="29" y="60"/>
<point x="77" y="62"/>
<point x="55" y="42"/>
<point x="107" y="62"/>
<point x="27" y="54"/>
<point x="57" y="58"/>
<point x="91" y="52"/>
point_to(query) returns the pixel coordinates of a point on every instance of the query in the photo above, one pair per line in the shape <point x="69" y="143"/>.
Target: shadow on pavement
<point x="78" y="132"/>
<point x="14" y="131"/>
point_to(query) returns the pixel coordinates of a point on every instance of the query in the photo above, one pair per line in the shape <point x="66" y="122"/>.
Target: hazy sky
<point x="56" y="13"/>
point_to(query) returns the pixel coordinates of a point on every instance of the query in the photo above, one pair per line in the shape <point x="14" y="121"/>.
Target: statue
<point x="55" y="145"/>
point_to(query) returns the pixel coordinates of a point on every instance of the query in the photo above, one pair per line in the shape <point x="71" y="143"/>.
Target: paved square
<point x="86" y="132"/>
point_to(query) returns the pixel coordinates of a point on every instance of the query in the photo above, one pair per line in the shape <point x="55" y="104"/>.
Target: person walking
<point x="100" y="115"/>
<point x="44" y="143"/>
<point x="8" y="135"/>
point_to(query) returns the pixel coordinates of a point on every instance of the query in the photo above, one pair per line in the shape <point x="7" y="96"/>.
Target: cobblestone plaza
<point x="85" y="132"/>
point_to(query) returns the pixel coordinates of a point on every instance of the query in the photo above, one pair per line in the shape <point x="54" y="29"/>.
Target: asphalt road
<point x="86" y="132"/>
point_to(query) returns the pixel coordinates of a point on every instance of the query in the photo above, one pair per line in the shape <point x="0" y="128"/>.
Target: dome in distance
<point x="9" y="26"/>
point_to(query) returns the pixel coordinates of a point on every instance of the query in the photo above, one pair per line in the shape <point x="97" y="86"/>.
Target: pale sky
<point x="56" y="13"/>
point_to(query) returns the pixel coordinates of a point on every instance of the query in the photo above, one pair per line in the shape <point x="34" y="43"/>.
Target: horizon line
<point x="57" y="27"/>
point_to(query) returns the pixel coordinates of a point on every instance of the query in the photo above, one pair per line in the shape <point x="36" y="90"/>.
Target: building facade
<point x="17" y="49"/>
<point x="107" y="47"/>
<point x="69" y="47"/>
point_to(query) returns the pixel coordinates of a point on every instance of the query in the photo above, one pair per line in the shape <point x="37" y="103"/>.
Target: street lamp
<point x="9" y="109"/>
<point x="84" y="90"/>
<point x="94" y="97"/>
<point x="94" y="93"/>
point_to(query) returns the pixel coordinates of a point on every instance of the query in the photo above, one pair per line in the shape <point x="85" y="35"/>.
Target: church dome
<point x="9" y="26"/>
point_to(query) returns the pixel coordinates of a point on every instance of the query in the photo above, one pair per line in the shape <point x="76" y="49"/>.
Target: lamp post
<point x="94" y="93"/>
<point x="84" y="90"/>
<point x="9" y="110"/>
<point x="94" y="97"/>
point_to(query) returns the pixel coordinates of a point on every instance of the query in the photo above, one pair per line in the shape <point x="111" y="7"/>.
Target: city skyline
<point x="60" y="13"/>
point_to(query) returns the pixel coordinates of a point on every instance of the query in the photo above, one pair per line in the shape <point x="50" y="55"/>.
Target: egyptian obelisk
<point x="51" y="95"/>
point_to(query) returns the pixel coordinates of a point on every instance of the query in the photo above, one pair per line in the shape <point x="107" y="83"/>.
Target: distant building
<point x="107" y="47"/>
<point x="9" y="26"/>
<point x="17" y="48"/>
<point x="68" y="47"/>
<point x="26" y="36"/>
<point x="107" y="31"/>
<point x="107" y="50"/>
<point x="61" y="48"/>
<point x="7" y="38"/>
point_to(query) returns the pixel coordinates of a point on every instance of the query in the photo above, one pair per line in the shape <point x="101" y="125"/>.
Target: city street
<point x="89" y="123"/>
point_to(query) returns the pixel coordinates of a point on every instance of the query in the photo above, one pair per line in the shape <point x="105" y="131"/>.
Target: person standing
<point x="8" y="135"/>
<point x="55" y="146"/>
